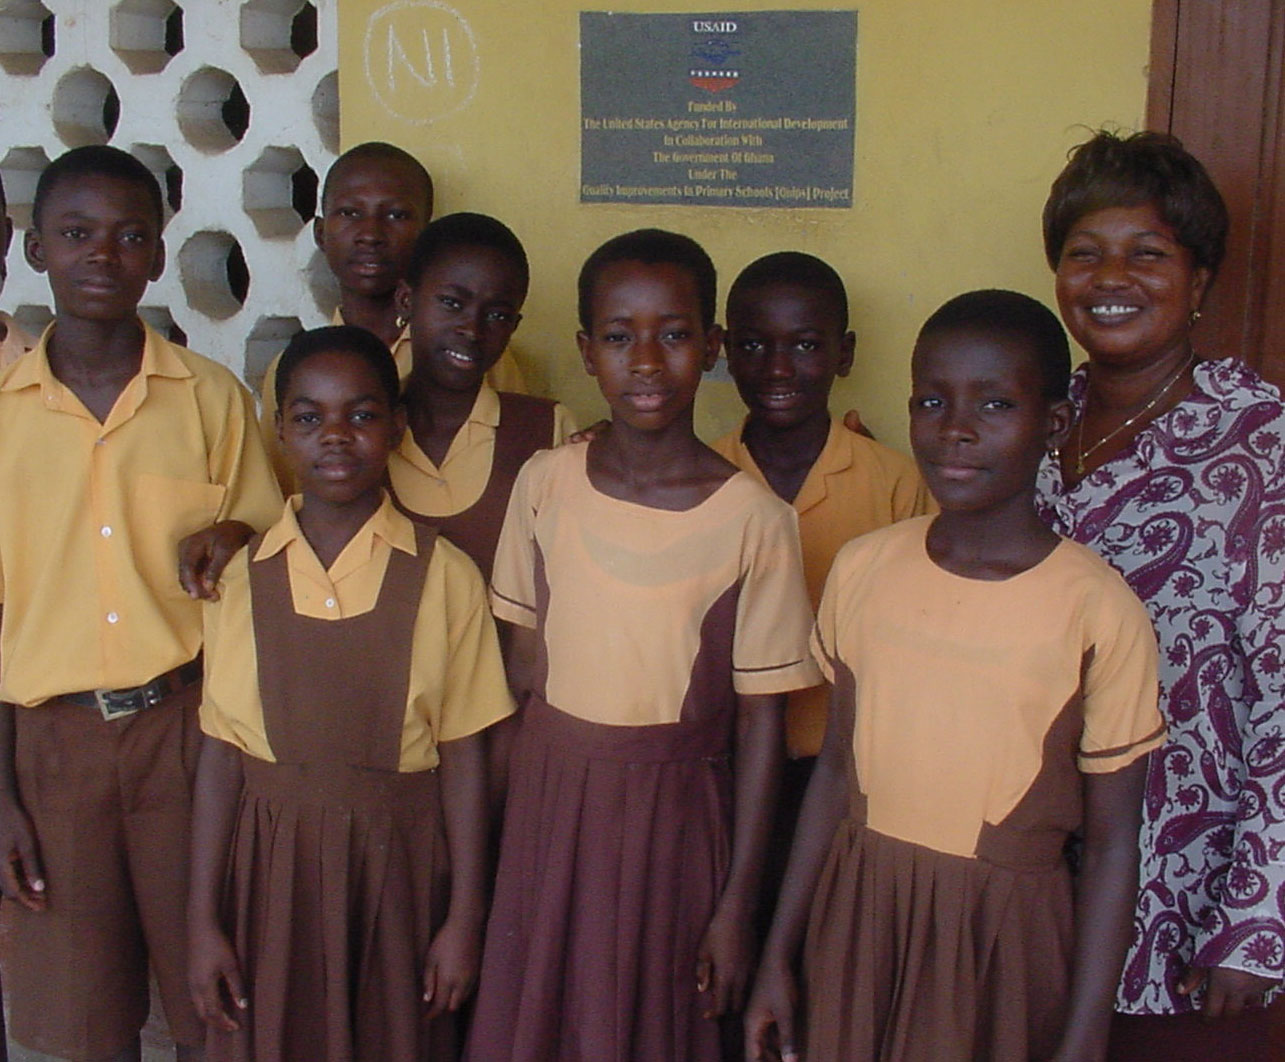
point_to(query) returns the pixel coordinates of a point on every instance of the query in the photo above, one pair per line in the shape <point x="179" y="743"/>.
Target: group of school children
<point x="262" y="750"/>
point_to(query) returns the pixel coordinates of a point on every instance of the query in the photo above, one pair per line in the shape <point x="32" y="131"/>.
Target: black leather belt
<point x="116" y="703"/>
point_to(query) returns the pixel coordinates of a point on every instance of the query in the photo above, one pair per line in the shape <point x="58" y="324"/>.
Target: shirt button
<point x="330" y="602"/>
<point x="112" y="617"/>
<point x="106" y="531"/>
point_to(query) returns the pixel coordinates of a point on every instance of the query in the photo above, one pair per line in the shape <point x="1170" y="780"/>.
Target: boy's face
<point x="369" y="222"/>
<point x="647" y="344"/>
<point x="99" y="241"/>
<point x="337" y="428"/>
<point x="979" y="421"/>
<point x="785" y="345"/>
<point x="462" y="313"/>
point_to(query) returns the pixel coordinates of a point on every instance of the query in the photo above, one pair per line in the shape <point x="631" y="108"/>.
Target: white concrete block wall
<point x="236" y="194"/>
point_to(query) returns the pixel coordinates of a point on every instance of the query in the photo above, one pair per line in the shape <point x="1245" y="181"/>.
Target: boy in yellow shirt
<point x="787" y="340"/>
<point x="118" y="443"/>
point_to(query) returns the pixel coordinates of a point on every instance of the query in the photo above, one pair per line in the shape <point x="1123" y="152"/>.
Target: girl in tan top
<point x="659" y="617"/>
<point x="994" y="691"/>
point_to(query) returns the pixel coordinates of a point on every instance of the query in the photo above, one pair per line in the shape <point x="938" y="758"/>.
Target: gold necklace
<point x="1082" y="454"/>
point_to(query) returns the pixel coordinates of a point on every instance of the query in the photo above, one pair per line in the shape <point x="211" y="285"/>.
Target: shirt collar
<point x="160" y="358"/>
<point x="835" y="457"/>
<point x="386" y="524"/>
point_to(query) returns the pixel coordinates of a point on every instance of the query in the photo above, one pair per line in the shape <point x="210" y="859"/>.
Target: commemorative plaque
<point x="747" y="109"/>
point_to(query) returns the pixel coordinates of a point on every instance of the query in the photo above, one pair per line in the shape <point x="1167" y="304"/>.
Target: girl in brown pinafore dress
<point x="993" y="691"/>
<point x="338" y="881"/>
<point x="662" y="631"/>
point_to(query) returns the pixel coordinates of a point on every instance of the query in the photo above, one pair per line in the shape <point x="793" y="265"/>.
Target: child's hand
<point x="1227" y="991"/>
<point x="21" y="877"/>
<point x="852" y="421"/>
<point x="769" y="1016"/>
<point x="590" y="433"/>
<point x="724" y="961"/>
<point x="214" y="978"/>
<point x="451" y="968"/>
<point x="204" y="554"/>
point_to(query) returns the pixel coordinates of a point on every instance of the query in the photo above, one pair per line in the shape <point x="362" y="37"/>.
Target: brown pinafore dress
<point x="526" y="425"/>
<point x="338" y="874"/>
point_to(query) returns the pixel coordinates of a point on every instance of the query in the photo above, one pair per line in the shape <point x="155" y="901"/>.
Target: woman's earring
<point x="1195" y="316"/>
<point x="402" y="322"/>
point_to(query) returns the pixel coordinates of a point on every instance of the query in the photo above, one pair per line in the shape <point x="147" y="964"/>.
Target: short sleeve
<point x="268" y="429"/>
<point x="513" y="574"/>
<point x="773" y="616"/>
<point x="1121" y="719"/>
<point x="475" y="693"/>
<point x="239" y="462"/>
<point x="230" y="706"/>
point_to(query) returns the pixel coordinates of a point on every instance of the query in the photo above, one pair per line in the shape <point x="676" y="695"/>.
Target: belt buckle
<point x="116" y="704"/>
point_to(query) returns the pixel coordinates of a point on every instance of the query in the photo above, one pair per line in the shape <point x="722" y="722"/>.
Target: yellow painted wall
<point x="965" y="111"/>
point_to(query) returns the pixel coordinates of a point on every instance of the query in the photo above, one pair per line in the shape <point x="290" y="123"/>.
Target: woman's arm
<point x="213" y="974"/>
<point x="454" y="956"/>
<point x="726" y="954"/>
<point x="773" y="1001"/>
<point x="1105" y="894"/>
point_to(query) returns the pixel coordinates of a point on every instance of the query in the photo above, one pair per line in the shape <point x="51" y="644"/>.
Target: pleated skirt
<point x="615" y="851"/>
<point x="338" y="879"/>
<point x="914" y="955"/>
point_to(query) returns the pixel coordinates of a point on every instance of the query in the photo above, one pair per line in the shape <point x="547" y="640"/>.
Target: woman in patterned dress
<point x="1175" y="473"/>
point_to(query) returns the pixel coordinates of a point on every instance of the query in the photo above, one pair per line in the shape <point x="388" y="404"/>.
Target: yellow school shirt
<point x="428" y="490"/>
<point x="638" y="608"/>
<point x="505" y="375"/>
<point x="856" y="485"/>
<point x="93" y="515"/>
<point x="973" y="703"/>
<point x="457" y="685"/>
<point x="16" y="342"/>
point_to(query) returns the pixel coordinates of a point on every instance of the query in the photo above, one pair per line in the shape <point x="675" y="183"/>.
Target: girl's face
<point x="979" y="422"/>
<point x="337" y="428"/>
<point x="462" y="313"/>
<point x="1126" y="287"/>
<point x="648" y="346"/>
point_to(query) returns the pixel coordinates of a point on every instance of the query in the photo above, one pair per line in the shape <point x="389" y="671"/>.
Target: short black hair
<point x="96" y="160"/>
<point x="795" y="269"/>
<point x="343" y="339"/>
<point x="1110" y="170"/>
<point x="650" y="247"/>
<point x="1011" y="314"/>
<point x="467" y="230"/>
<point x="378" y="151"/>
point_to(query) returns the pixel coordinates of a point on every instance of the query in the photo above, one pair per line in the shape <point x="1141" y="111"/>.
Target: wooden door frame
<point x="1216" y="81"/>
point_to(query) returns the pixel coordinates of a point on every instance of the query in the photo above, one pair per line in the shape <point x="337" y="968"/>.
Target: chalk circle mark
<point x="421" y="60"/>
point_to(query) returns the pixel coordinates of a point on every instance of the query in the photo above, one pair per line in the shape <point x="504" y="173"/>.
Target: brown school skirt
<point x="615" y="850"/>
<point x="914" y="955"/>
<point x="338" y="879"/>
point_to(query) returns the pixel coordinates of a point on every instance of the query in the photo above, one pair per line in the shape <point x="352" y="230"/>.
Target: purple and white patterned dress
<point x="1192" y="514"/>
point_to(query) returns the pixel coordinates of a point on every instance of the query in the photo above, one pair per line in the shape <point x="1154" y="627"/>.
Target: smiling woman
<point x="1175" y="473"/>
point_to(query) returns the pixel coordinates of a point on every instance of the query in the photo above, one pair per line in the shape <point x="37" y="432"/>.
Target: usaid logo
<point x="701" y="26"/>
